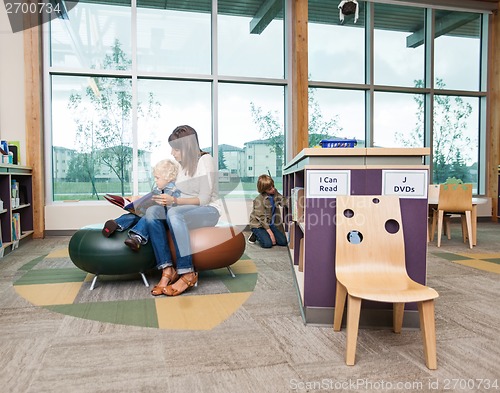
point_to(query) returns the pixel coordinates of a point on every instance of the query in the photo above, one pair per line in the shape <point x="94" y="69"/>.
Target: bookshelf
<point x="16" y="210"/>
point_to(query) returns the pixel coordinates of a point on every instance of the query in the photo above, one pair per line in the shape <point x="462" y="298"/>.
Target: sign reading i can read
<point x="405" y="183"/>
<point x="328" y="183"/>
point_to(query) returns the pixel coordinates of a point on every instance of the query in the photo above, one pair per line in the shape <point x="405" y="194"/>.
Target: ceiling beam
<point x="444" y="25"/>
<point x="265" y="15"/>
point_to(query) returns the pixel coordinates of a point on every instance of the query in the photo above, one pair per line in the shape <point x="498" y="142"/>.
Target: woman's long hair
<point x="185" y="139"/>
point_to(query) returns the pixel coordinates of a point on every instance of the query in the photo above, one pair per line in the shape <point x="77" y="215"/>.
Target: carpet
<point x="53" y="282"/>
<point x="486" y="262"/>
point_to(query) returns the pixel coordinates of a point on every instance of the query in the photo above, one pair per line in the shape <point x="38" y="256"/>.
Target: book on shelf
<point x="14" y="190"/>
<point x="16" y="226"/>
<point x="297" y="202"/>
<point x="137" y="207"/>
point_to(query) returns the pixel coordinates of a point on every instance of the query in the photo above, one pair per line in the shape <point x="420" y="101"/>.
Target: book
<point x="16" y="226"/>
<point x="137" y="207"/>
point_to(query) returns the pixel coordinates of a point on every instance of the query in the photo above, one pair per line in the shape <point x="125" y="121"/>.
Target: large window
<point x="123" y="76"/>
<point x="120" y="77"/>
<point x="403" y="76"/>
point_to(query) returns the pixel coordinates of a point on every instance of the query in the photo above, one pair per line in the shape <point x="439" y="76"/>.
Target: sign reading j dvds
<point x="405" y="183"/>
<point x="327" y="183"/>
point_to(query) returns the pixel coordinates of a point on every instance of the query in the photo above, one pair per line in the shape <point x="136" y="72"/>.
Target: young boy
<point x="265" y="220"/>
<point x="165" y="173"/>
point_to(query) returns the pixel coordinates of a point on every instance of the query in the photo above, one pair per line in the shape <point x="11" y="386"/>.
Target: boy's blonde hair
<point x="166" y="169"/>
<point x="264" y="183"/>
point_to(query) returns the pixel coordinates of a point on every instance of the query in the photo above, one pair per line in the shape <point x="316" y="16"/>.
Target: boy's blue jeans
<point x="135" y="223"/>
<point x="179" y="220"/>
<point x="265" y="240"/>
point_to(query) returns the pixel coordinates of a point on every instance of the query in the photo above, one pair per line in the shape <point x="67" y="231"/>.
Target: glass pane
<point x="164" y="105"/>
<point x="336" y="113"/>
<point x="95" y="36"/>
<point x="398" y="120"/>
<point x="399" y="45"/>
<point x="250" y="39"/>
<point x="91" y="137"/>
<point x="336" y="51"/>
<point x="251" y="137"/>
<point x="457" y="50"/>
<point x="175" y="38"/>
<point x="456" y="147"/>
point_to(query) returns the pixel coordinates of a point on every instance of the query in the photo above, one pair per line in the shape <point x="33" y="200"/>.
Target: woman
<point x="198" y="206"/>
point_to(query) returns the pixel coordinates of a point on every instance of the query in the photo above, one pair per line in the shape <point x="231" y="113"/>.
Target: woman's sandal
<point x="169" y="290"/>
<point x="158" y="289"/>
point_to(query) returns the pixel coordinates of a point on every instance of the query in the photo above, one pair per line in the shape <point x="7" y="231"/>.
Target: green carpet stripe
<point x="244" y="257"/>
<point x="51" y="276"/>
<point x="131" y="312"/>
<point x="450" y="256"/>
<point x="33" y="263"/>
<point x="492" y="260"/>
<point x="241" y="283"/>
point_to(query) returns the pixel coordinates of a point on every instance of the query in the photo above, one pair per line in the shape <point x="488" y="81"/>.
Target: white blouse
<point x="202" y="184"/>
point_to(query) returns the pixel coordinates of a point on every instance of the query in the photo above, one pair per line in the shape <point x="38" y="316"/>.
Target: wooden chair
<point x="370" y="264"/>
<point x="433" y="195"/>
<point x="454" y="199"/>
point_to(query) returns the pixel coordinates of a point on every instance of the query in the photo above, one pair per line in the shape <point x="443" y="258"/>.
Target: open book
<point x="137" y="207"/>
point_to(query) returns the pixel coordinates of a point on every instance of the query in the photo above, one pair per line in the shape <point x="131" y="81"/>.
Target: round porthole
<point x="354" y="237"/>
<point x="392" y="226"/>
<point x="349" y="213"/>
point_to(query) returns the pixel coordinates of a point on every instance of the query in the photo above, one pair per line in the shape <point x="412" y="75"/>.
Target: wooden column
<point x="493" y="135"/>
<point x="34" y="111"/>
<point x="300" y="116"/>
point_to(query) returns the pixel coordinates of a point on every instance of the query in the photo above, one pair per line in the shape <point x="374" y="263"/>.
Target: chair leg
<point x="340" y="296"/>
<point x="463" y="221"/>
<point x="440" y="226"/>
<point x="428" y="328"/>
<point x="447" y="227"/>
<point x="353" y="311"/>
<point x="468" y="218"/>
<point x="434" y="222"/>
<point x="398" y="310"/>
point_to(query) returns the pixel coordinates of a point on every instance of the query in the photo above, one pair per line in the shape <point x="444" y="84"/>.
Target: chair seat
<point x="411" y="292"/>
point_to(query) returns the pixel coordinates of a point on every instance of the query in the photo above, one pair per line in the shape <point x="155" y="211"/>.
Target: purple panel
<point x="414" y="214"/>
<point x="319" y="272"/>
<point x="319" y="278"/>
<point x="373" y="185"/>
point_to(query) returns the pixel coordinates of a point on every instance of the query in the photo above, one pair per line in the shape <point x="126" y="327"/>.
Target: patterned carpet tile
<point x="52" y="281"/>
<point x="486" y="262"/>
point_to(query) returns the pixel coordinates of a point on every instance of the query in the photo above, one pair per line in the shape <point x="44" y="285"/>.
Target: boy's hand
<point x="271" y="235"/>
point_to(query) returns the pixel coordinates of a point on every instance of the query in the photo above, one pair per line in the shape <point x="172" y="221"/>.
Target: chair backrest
<point x="369" y="235"/>
<point x="455" y="197"/>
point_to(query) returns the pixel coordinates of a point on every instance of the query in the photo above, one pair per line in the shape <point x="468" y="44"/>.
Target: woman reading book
<point x="198" y="206"/>
<point x="164" y="173"/>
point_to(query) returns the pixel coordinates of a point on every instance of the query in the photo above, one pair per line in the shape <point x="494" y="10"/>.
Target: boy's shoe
<point x="109" y="228"/>
<point x="133" y="242"/>
<point x="252" y="238"/>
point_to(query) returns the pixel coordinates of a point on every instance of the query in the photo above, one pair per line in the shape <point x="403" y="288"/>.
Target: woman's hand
<point x="163" y="199"/>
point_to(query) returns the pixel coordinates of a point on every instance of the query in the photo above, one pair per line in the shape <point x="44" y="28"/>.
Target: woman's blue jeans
<point x="265" y="240"/>
<point x="179" y="220"/>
